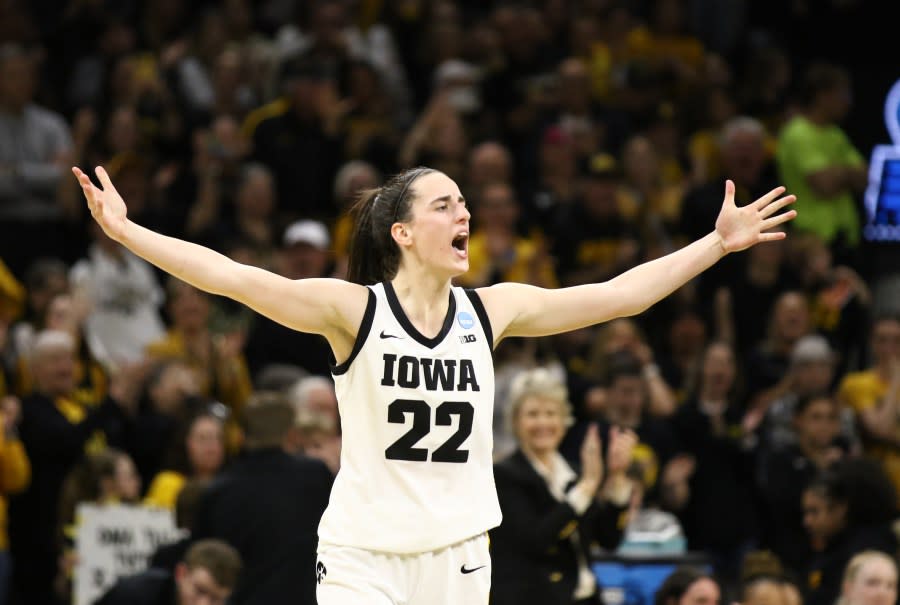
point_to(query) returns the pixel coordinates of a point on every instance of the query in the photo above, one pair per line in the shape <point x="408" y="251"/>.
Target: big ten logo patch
<point x="466" y="338"/>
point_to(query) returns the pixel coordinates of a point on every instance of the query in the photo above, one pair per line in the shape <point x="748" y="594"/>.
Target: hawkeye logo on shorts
<point x="321" y="572"/>
<point x="465" y="320"/>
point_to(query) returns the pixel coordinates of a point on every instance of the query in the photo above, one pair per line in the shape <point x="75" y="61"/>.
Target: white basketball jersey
<point x="416" y="467"/>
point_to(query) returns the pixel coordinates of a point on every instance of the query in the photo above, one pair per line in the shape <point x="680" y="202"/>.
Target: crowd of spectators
<point x="588" y="136"/>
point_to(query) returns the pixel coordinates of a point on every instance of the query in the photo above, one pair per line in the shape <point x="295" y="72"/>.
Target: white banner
<point x="113" y="541"/>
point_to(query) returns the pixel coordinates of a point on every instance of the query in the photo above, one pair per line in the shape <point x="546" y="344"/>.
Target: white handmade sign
<point x="116" y="540"/>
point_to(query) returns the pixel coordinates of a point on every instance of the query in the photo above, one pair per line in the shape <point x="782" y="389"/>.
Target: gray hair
<point x="346" y="174"/>
<point x="537" y="382"/>
<point x="298" y="395"/>
<point x="48" y="341"/>
<point x="741" y="124"/>
<point x="253" y="169"/>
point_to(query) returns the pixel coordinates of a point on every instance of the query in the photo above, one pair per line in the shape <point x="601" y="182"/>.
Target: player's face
<point x="438" y="233"/>
<point x="540" y="425"/>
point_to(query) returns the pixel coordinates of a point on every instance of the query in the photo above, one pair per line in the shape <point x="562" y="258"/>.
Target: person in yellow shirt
<point x="874" y="394"/>
<point x="496" y="252"/>
<point x="15" y="474"/>
<point x="66" y="313"/>
<point x="217" y="359"/>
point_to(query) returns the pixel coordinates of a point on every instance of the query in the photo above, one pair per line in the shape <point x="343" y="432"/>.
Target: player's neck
<point x="424" y="299"/>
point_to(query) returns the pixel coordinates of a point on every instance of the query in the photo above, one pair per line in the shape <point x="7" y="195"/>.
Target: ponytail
<point x="374" y="255"/>
<point x="363" y="266"/>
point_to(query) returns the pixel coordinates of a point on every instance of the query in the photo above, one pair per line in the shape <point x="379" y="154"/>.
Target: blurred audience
<point x="587" y="137"/>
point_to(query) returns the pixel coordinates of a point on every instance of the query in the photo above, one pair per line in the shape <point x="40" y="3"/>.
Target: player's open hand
<point x="106" y="205"/>
<point x="741" y="227"/>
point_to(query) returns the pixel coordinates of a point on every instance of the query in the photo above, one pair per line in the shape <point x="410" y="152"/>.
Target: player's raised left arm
<point x="522" y="310"/>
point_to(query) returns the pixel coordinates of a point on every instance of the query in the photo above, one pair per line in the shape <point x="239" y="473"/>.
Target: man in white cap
<point x="305" y="252"/>
<point x="811" y="372"/>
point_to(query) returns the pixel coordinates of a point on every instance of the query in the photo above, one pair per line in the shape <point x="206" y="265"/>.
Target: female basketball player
<point x="415" y="495"/>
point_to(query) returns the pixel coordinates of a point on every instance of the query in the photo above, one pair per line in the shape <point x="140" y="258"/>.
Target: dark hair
<point x="678" y="583"/>
<point x="623" y="364"/>
<point x="886" y="316"/>
<point x="861" y="484"/>
<point x="819" y="78"/>
<point x="759" y="566"/>
<point x="186" y="502"/>
<point x="177" y="458"/>
<point x="218" y="558"/>
<point x="804" y="402"/>
<point x="267" y="419"/>
<point x="83" y="483"/>
<point x="374" y="255"/>
<point x="39" y="273"/>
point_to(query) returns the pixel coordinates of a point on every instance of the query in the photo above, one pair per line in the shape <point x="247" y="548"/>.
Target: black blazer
<point x="534" y="561"/>
<point x="150" y="587"/>
<point x="267" y="505"/>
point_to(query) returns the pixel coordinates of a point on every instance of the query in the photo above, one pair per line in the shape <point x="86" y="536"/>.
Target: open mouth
<point x="461" y="243"/>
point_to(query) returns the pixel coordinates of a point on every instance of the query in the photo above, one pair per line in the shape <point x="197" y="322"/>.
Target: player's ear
<point x="401" y="234"/>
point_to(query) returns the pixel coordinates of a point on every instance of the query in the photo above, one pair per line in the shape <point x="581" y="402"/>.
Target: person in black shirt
<point x="267" y="505"/>
<point x="786" y="472"/>
<point x="717" y="509"/>
<point x="848" y="510"/>
<point x="304" y="254"/>
<point x="593" y="241"/>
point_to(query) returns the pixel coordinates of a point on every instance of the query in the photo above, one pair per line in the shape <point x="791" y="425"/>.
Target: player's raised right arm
<point x="320" y="306"/>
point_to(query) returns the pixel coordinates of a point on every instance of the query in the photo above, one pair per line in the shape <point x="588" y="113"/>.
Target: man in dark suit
<point x="268" y="505"/>
<point x="206" y="576"/>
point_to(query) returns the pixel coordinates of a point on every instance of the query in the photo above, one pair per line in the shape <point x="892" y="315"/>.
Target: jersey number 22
<point x="404" y="448"/>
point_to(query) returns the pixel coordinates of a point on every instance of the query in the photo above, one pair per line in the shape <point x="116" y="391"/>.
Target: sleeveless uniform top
<point x="416" y="460"/>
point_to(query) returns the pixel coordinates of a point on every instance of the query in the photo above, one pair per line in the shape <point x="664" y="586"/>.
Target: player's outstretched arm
<point x="321" y="306"/>
<point x="521" y="310"/>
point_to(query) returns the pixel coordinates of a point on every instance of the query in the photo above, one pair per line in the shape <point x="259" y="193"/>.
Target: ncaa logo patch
<point x="465" y="320"/>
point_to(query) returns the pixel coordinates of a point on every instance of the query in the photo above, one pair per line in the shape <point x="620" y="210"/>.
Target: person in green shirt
<point x="818" y="162"/>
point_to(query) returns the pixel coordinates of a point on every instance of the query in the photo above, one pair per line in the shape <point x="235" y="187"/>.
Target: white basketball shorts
<point x="457" y="575"/>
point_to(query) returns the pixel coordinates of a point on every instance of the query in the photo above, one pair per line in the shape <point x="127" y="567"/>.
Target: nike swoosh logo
<point x="384" y="335"/>
<point x="464" y="570"/>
